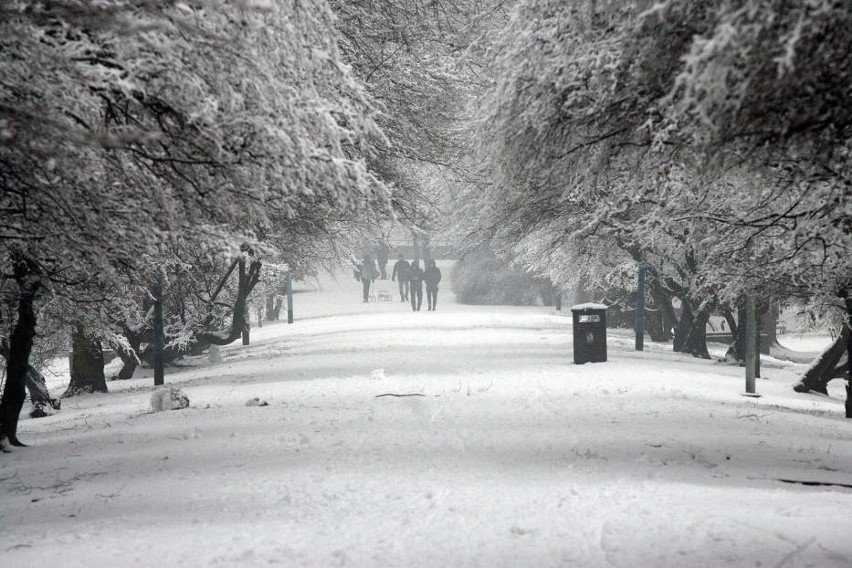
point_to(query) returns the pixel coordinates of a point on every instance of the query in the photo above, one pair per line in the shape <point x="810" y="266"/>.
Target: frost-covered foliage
<point x="218" y="112"/>
<point x="411" y="54"/>
<point x="710" y="140"/>
<point x="129" y="126"/>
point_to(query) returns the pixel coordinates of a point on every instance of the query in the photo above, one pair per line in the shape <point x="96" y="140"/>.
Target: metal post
<point x="640" y="310"/>
<point x="757" y="345"/>
<point x="159" y="333"/>
<point x="750" y="347"/>
<point x="847" y="297"/>
<point x="246" y="324"/>
<point x="289" y="299"/>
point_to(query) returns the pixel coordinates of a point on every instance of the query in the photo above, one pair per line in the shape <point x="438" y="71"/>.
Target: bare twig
<point x="399" y="395"/>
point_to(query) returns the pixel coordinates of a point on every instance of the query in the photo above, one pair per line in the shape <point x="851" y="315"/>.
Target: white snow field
<point x="509" y="455"/>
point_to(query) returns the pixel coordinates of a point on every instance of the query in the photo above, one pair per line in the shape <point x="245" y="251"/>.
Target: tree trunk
<point x="661" y="318"/>
<point x="769" y="323"/>
<point x="35" y="383"/>
<point x="681" y="328"/>
<point x="737" y="350"/>
<point x="731" y="320"/>
<point x="28" y="278"/>
<point x="829" y="365"/>
<point x="37" y="387"/>
<point x="129" y="358"/>
<point x="87" y="364"/>
<point x="249" y="276"/>
<point x="691" y="331"/>
<point x="270" y="307"/>
<point x="276" y="313"/>
<point x="548" y="292"/>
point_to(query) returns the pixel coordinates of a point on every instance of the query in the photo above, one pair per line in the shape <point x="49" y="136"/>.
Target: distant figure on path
<point x="432" y="276"/>
<point x="382" y="254"/>
<point x="415" y="278"/>
<point x="368" y="274"/>
<point x="400" y="273"/>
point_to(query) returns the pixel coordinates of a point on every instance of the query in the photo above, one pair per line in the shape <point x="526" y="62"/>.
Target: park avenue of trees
<point x="183" y="157"/>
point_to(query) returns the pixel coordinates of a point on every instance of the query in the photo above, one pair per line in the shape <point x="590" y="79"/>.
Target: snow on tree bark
<point x="828" y="366"/>
<point x="87" y="364"/>
<point x="28" y="278"/>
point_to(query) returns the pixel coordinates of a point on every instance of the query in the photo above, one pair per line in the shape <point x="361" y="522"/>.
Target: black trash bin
<point x="589" y="333"/>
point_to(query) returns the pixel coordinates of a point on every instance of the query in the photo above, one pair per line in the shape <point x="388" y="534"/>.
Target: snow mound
<point x="168" y="398"/>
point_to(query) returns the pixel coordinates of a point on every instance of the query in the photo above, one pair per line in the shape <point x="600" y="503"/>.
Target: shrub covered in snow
<point x="480" y="277"/>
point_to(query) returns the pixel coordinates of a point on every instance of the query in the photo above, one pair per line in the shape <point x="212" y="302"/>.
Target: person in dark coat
<point x="400" y="274"/>
<point x="382" y="256"/>
<point x="369" y="272"/>
<point x="415" y="279"/>
<point x="432" y="277"/>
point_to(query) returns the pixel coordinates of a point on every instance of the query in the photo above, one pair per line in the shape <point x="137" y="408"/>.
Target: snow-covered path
<point x="506" y="454"/>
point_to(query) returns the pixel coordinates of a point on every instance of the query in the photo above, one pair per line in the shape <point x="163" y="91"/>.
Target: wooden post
<point x="750" y="347"/>
<point x="289" y="299"/>
<point x="159" y="333"/>
<point x="640" y="310"/>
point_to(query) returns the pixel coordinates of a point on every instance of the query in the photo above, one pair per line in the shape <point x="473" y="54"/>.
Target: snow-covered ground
<point x="504" y="454"/>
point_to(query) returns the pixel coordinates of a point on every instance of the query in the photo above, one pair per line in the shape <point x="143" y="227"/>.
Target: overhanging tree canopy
<point x="126" y="126"/>
<point x="708" y="139"/>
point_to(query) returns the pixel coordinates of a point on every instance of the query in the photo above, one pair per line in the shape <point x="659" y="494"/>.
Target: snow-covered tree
<point x="127" y="126"/>
<point x="706" y="139"/>
<point x="413" y="57"/>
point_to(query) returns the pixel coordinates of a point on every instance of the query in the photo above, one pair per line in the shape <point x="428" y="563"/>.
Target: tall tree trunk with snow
<point x="129" y="357"/>
<point x="736" y="351"/>
<point x="691" y="331"/>
<point x="829" y="365"/>
<point x="661" y="318"/>
<point x="769" y="322"/>
<point x="87" y="363"/>
<point x="28" y="278"/>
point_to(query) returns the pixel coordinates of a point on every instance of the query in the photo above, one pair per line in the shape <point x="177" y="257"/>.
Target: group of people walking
<point x="410" y="277"/>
